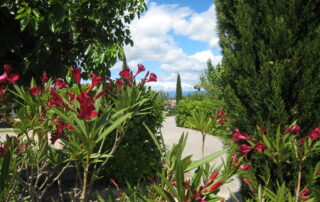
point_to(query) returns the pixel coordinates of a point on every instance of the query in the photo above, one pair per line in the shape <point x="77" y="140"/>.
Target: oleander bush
<point x="63" y="128"/>
<point x="137" y="157"/>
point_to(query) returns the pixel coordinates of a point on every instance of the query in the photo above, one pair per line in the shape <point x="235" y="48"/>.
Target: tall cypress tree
<point x="271" y="61"/>
<point x="178" y="89"/>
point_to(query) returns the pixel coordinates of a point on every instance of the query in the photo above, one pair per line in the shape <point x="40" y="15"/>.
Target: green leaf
<point x="113" y="126"/>
<point x="163" y="193"/>
<point x="204" y="160"/>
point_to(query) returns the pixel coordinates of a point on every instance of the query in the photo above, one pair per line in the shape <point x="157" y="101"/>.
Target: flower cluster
<point x="221" y="117"/>
<point x="199" y="193"/>
<point x="7" y="78"/>
<point x="244" y="148"/>
<point x="83" y="104"/>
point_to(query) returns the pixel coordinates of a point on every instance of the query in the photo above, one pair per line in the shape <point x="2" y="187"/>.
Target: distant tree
<point x="124" y="62"/>
<point x="178" y="89"/>
<point x="211" y="81"/>
<point x="51" y="35"/>
<point x="271" y="61"/>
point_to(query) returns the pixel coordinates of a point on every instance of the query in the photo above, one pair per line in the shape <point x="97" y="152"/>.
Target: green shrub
<point x="137" y="158"/>
<point x="187" y="107"/>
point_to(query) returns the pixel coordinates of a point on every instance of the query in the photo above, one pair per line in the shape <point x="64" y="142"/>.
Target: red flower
<point x="315" y="133"/>
<point x="7" y="68"/>
<point x="12" y="78"/>
<point x="7" y="76"/>
<point x="113" y="182"/>
<point x="140" y="69"/>
<point x="69" y="126"/>
<point x="84" y="98"/>
<point x="101" y="93"/>
<point x="126" y="74"/>
<point x="56" y="100"/>
<point x="220" y="113"/>
<point x="294" y="128"/>
<point x="221" y="121"/>
<point x="235" y="161"/>
<point x="44" y="77"/>
<point x="303" y="194"/>
<point x="71" y="96"/>
<point x="95" y="80"/>
<point x="247" y="181"/>
<point x="60" y="83"/>
<point x="119" y="83"/>
<point x="151" y="179"/>
<point x="34" y="90"/>
<point x="238" y="136"/>
<point x="213" y="187"/>
<point x="76" y="74"/>
<point x="245" y="167"/>
<point x="260" y="146"/>
<point x="87" y="111"/>
<point x="152" y="78"/>
<point x="59" y="126"/>
<point x="244" y="149"/>
<point x="212" y="178"/>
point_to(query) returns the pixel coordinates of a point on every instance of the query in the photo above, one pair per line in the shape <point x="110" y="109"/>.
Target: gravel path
<point x="171" y="134"/>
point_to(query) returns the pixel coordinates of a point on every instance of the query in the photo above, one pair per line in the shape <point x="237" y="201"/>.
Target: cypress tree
<point x="178" y="89"/>
<point x="271" y="61"/>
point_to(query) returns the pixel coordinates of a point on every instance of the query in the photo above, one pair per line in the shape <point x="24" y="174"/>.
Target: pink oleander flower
<point x="35" y="90"/>
<point x="260" y="146"/>
<point x="315" y="133"/>
<point x="44" y="78"/>
<point x="212" y="178"/>
<point x="244" y="149"/>
<point x="245" y="167"/>
<point x="152" y="78"/>
<point x="303" y="195"/>
<point x="87" y="111"/>
<point x="220" y="113"/>
<point x="119" y="83"/>
<point x="126" y="74"/>
<point x="95" y="80"/>
<point x="76" y="74"/>
<point x="56" y="100"/>
<point x="101" y="93"/>
<point x="212" y="188"/>
<point x="71" y="96"/>
<point x="7" y="76"/>
<point x="294" y="128"/>
<point x="235" y="161"/>
<point x="222" y="121"/>
<point x="238" y="136"/>
<point x="141" y="68"/>
<point x="69" y="126"/>
<point x="60" y="83"/>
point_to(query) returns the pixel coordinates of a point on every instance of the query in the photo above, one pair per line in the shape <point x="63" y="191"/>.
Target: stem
<point x="85" y="180"/>
<point x="54" y="180"/>
<point x="203" y="140"/>
<point x="299" y="183"/>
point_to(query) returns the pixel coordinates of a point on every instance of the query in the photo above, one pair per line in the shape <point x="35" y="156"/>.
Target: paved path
<point x="171" y="134"/>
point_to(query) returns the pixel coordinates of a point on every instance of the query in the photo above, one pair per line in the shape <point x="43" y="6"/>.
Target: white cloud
<point x="153" y="41"/>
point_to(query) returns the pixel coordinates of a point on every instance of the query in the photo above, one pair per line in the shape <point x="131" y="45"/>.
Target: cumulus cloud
<point x="154" y="40"/>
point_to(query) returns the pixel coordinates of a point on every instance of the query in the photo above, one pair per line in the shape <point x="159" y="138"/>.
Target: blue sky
<point x="171" y="37"/>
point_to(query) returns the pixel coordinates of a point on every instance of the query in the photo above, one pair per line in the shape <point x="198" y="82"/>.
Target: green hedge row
<point x="186" y="107"/>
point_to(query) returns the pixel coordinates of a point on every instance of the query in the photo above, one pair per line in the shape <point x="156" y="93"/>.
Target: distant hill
<point x="172" y="94"/>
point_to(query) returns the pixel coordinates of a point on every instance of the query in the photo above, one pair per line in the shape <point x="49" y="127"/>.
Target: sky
<point x="171" y="37"/>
